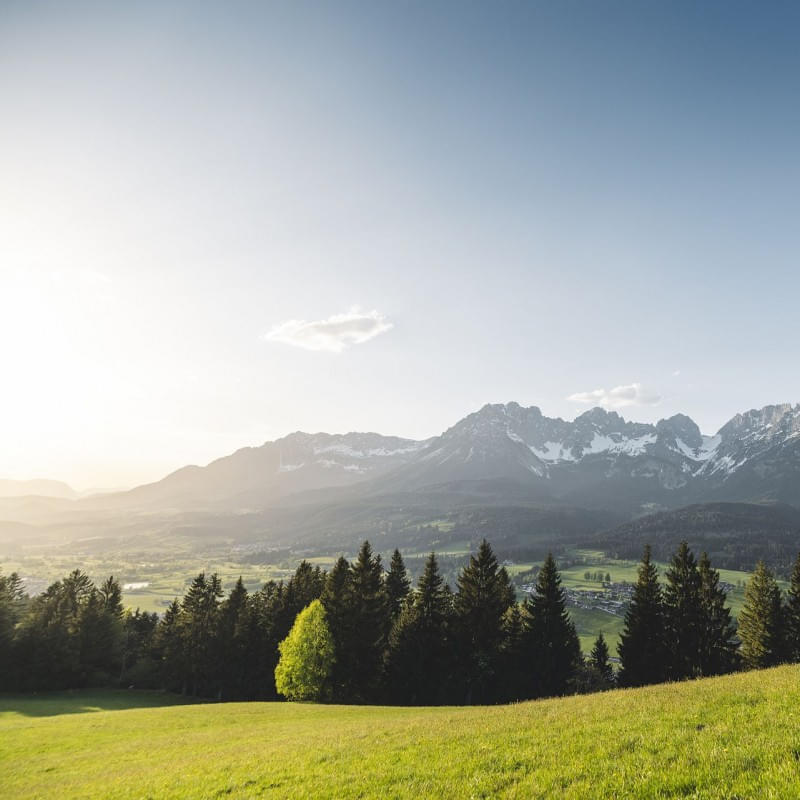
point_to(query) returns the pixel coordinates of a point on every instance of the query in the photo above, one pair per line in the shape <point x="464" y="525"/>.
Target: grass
<point x="731" y="737"/>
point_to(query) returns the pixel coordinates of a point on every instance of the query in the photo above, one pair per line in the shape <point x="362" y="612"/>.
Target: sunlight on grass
<point x="735" y="736"/>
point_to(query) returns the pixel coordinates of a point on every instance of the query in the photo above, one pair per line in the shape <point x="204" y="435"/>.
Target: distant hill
<point x="41" y="488"/>
<point x="735" y="535"/>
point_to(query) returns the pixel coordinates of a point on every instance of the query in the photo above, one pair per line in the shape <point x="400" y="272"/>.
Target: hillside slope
<point x="717" y="738"/>
<point x="735" y="535"/>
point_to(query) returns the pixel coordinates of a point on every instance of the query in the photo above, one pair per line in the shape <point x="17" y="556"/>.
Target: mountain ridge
<point x="599" y="459"/>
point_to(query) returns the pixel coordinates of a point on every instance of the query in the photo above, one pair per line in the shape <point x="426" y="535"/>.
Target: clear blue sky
<point x="537" y="201"/>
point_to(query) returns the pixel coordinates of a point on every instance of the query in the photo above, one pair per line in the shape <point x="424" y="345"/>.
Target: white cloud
<point x="633" y="394"/>
<point x="334" y="334"/>
<point x="676" y="373"/>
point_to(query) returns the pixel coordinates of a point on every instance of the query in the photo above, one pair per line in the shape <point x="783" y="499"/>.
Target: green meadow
<point x="732" y="737"/>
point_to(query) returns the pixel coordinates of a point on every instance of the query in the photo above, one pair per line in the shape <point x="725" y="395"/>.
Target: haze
<point x="217" y="229"/>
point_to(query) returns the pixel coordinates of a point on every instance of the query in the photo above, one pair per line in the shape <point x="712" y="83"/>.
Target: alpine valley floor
<point x="731" y="737"/>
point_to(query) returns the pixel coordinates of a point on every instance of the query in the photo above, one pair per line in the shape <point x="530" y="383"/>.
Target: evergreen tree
<point x="683" y="615"/>
<point x="513" y="674"/>
<point x="199" y="616"/>
<point x="717" y="643"/>
<point x="642" y="646"/>
<point x="306" y="657"/>
<point x="760" y="628"/>
<point x="598" y="660"/>
<point x="792" y="615"/>
<point x="418" y="660"/>
<point x="398" y="585"/>
<point x="371" y="623"/>
<point x="12" y="605"/>
<point x="168" y="650"/>
<point x="337" y="599"/>
<point x="232" y="654"/>
<point x="553" y="647"/>
<point x="139" y="669"/>
<point x="482" y="598"/>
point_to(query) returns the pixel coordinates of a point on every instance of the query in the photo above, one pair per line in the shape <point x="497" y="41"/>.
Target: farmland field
<point x="730" y="737"/>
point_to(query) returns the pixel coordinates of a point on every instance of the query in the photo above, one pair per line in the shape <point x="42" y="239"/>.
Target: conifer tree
<point x="760" y="623"/>
<point x="199" y="614"/>
<point x="337" y="599"/>
<point x="232" y="643"/>
<point x="598" y="660"/>
<point x="12" y="602"/>
<point x="418" y="660"/>
<point x="792" y="615"/>
<point x="683" y="615"/>
<point x="398" y="585"/>
<point x="513" y="673"/>
<point x="552" y="644"/>
<point x="371" y="623"/>
<point x="482" y="598"/>
<point x="642" y="646"/>
<point x="717" y="642"/>
<point x="168" y="650"/>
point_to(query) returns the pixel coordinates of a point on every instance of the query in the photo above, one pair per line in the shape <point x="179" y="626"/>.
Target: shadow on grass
<point x="83" y="701"/>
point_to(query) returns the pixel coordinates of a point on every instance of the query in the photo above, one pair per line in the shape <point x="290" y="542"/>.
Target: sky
<point x="223" y="222"/>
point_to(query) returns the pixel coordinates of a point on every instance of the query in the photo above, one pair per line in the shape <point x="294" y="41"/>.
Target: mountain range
<point x="598" y="460"/>
<point x="499" y="466"/>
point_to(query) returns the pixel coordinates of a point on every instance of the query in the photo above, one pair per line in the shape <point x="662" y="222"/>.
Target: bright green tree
<point x="307" y="657"/>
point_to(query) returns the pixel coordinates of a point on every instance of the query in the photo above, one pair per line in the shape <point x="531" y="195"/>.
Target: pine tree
<point x="199" y="615"/>
<point x="398" y="585"/>
<point x="513" y="680"/>
<point x="683" y="624"/>
<point x="168" y="650"/>
<point x="642" y="647"/>
<point x="418" y="659"/>
<point x="760" y="623"/>
<point x="337" y="599"/>
<point x="598" y="660"/>
<point x="231" y="646"/>
<point x="12" y="603"/>
<point x="371" y="623"/>
<point x="552" y="644"/>
<point x="717" y="643"/>
<point x="792" y="614"/>
<point x="481" y="600"/>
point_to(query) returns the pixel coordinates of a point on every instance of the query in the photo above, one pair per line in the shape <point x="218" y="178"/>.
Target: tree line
<point x="361" y="633"/>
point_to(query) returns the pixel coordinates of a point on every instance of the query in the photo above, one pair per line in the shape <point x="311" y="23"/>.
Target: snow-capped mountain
<point x="598" y="460"/>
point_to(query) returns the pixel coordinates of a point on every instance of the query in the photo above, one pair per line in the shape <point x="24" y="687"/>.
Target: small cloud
<point x="633" y="394"/>
<point x="334" y="334"/>
<point x="676" y="373"/>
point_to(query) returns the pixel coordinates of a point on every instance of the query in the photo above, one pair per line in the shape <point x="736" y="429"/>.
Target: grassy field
<point x="731" y="737"/>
